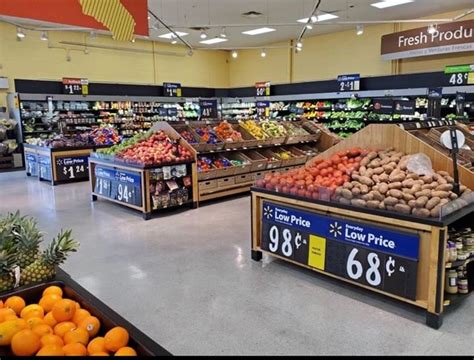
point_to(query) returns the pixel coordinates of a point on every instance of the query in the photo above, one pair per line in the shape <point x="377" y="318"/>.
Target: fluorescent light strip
<point x="258" y="31"/>
<point x="171" y="35"/>
<point x="390" y="3"/>
<point x="213" y="41"/>
<point x="322" y="17"/>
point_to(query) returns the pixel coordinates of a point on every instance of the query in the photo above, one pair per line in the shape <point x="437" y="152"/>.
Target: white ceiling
<point x="181" y="15"/>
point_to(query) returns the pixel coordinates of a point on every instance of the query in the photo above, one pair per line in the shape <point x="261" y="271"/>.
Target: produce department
<point x="164" y="167"/>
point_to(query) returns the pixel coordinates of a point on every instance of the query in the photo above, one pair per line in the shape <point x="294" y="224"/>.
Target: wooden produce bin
<point x="130" y="185"/>
<point x="322" y="239"/>
<point x="58" y="165"/>
<point x="394" y="254"/>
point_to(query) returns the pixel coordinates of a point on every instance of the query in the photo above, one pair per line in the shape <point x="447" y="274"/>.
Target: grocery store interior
<point x="223" y="177"/>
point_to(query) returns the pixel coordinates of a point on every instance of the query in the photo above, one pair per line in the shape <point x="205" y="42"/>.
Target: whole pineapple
<point x="44" y="267"/>
<point x="7" y="263"/>
<point x="28" y="239"/>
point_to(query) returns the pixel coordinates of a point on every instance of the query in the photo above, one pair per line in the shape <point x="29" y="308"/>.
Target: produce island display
<point x="373" y="210"/>
<point x="64" y="159"/>
<point x="149" y="172"/>
<point x="49" y="314"/>
<point x="231" y="155"/>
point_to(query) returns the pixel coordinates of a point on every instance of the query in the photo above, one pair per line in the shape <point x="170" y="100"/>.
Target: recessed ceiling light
<point x="258" y="31"/>
<point x="171" y="35"/>
<point x="322" y="17"/>
<point x="213" y="41"/>
<point x="389" y="3"/>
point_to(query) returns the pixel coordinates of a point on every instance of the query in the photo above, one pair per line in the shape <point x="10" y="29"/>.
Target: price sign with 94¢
<point x="377" y="257"/>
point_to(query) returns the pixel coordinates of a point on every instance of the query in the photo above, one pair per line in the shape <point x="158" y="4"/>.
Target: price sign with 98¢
<point x="381" y="258"/>
<point x="285" y="242"/>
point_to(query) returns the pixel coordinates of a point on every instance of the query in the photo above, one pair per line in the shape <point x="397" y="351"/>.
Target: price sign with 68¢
<point x="377" y="257"/>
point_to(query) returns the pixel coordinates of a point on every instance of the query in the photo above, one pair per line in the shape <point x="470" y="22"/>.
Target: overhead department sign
<point x="448" y="38"/>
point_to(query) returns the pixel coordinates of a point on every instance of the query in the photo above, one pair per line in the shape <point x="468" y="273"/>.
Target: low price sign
<point x="377" y="257"/>
<point x="208" y="108"/>
<point x="75" y="86"/>
<point x="349" y="82"/>
<point x="262" y="88"/>
<point x="456" y="75"/>
<point x="123" y="186"/>
<point x="172" y="89"/>
<point x="72" y="167"/>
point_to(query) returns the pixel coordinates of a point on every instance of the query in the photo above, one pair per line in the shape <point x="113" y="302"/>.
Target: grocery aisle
<point x="187" y="281"/>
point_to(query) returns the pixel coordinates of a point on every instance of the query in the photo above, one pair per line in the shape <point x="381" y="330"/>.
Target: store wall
<point x="32" y="59"/>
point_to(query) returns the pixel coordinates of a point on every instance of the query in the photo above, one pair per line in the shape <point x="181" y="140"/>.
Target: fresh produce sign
<point x="72" y="167"/>
<point x="123" y="186"/>
<point x="378" y="257"/>
<point x="172" y="89"/>
<point x="75" y="86"/>
<point x="262" y="88"/>
<point x="208" y="108"/>
<point x="349" y="82"/>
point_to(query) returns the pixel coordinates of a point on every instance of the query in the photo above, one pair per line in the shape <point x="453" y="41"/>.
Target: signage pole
<point x="454" y="152"/>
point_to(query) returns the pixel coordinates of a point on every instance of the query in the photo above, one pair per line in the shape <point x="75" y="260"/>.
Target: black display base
<point x="146" y="216"/>
<point x="434" y="320"/>
<point x="256" y="255"/>
<point x="194" y="205"/>
<point x="94" y="198"/>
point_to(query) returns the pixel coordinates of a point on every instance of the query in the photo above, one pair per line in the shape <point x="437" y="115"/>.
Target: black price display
<point x="456" y="79"/>
<point x="263" y="108"/>
<point x="123" y="186"/>
<point x="349" y="82"/>
<point x="208" y="108"/>
<point x="75" y="86"/>
<point x="262" y="88"/>
<point x="377" y="257"/>
<point x="172" y="89"/>
<point x="72" y="167"/>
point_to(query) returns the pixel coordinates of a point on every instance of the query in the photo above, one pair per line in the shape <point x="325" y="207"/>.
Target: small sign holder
<point x="454" y="139"/>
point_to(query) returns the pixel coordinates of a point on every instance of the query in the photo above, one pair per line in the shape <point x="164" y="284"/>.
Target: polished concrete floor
<point x="186" y="279"/>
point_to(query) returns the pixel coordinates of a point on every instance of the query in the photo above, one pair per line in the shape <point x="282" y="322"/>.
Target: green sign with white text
<point x="452" y="69"/>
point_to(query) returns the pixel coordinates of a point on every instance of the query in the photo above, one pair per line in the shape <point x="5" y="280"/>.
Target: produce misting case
<point x="395" y="254"/>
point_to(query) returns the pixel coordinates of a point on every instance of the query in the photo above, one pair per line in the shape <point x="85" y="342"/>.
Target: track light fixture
<point x="235" y="54"/>
<point x="299" y="45"/>
<point x="44" y="36"/>
<point x="19" y="33"/>
<point x="309" y="26"/>
<point x="92" y="35"/>
<point x="203" y="35"/>
<point x="263" y="53"/>
<point x="359" y="29"/>
<point x="223" y="33"/>
<point x="432" y="29"/>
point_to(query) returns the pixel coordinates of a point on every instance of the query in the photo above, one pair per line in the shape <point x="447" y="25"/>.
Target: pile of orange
<point x="57" y="326"/>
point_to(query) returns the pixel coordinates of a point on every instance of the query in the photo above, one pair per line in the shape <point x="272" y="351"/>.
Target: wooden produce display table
<point x="58" y="165"/>
<point x="400" y="256"/>
<point x="144" y="188"/>
<point x="131" y="185"/>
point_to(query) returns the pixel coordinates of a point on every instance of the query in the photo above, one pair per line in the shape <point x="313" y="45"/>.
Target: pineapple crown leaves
<point x="27" y="235"/>
<point x="57" y="251"/>
<point x="8" y="257"/>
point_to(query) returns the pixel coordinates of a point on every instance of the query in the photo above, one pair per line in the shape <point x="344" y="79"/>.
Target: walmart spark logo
<point x="335" y="229"/>
<point x="268" y="212"/>
<point x="59" y="162"/>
